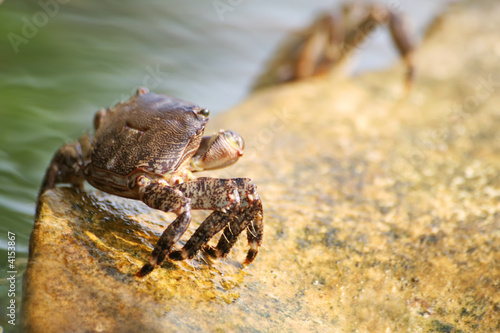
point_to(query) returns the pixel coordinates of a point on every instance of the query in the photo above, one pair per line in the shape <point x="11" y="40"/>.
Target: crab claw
<point x="222" y="149"/>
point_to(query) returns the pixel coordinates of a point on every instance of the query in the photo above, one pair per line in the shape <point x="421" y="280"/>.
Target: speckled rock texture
<point x="382" y="212"/>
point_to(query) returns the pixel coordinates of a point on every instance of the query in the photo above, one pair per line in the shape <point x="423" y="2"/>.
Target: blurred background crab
<point x="335" y="35"/>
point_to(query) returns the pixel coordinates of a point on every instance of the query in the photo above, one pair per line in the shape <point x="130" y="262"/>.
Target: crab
<point x="332" y="37"/>
<point x="148" y="148"/>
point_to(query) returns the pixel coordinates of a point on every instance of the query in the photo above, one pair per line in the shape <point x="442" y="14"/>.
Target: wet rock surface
<point x="382" y="212"/>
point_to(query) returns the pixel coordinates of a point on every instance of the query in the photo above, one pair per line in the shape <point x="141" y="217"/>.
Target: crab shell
<point x="157" y="135"/>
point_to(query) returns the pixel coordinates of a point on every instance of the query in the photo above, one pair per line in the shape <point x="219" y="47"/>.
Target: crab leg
<point x="167" y="199"/>
<point x="404" y="43"/>
<point x="255" y="231"/>
<point x="63" y="168"/>
<point x="67" y="166"/>
<point x="400" y="32"/>
<point x="250" y="214"/>
<point x="220" y="195"/>
<point x="236" y="204"/>
<point x="249" y="218"/>
<point x="212" y="193"/>
<point x="251" y="210"/>
<point x="320" y="49"/>
<point x="214" y="223"/>
<point x="357" y="36"/>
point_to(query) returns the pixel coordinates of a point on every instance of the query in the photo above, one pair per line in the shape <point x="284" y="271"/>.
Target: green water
<point x="62" y="61"/>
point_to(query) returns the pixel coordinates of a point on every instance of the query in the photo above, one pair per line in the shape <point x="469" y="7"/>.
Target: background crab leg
<point x="167" y="199"/>
<point x="400" y="32"/>
<point x="405" y="44"/>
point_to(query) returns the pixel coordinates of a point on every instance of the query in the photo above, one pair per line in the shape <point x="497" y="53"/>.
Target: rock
<point x="382" y="212"/>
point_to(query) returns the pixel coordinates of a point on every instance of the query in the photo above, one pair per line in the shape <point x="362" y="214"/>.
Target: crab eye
<point x="204" y="112"/>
